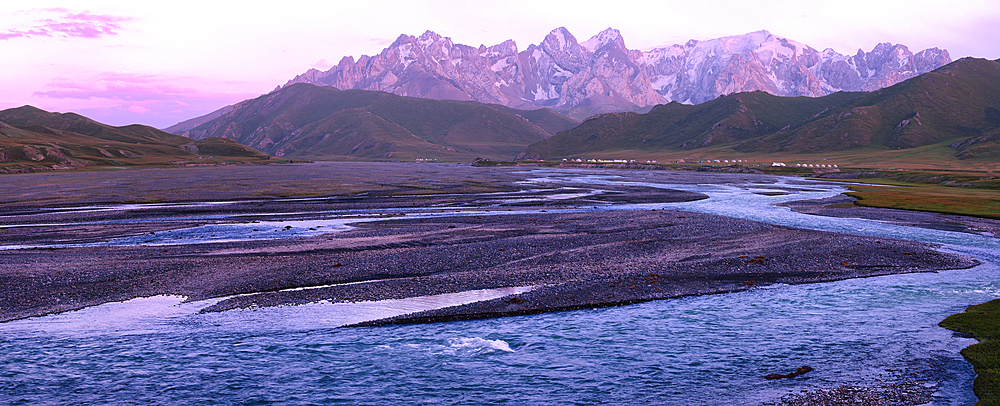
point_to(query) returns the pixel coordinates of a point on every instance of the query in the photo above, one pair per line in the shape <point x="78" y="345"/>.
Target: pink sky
<point x="158" y="63"/>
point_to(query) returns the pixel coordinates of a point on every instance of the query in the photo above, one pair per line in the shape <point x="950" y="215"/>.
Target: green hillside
<point x="950" y="114"/>
<point x="32" y="139"/>
<point x="726" y="120"/>
<point x="955" y="102"/>
<point x="312" y="122"/>
<point x="547" y="119"/>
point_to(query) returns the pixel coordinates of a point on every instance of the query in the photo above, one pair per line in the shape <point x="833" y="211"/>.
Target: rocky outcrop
<point x="602" y="75"/>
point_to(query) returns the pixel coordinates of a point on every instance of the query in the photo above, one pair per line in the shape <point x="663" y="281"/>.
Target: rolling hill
<point x="955" y="103"/>
<point x="956" y="106"/>
<point x="323" y="123"/>
<point x="674" y="126"/>
<point x="32" y="139"/>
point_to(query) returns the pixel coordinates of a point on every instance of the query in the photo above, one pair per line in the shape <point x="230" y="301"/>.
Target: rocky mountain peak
<point x="430" y="39"/>
<point x="429" y="35"/>
<point x="506" y="47"/>
<point x="930" y="59"/>
<point x="882" y="48"/>
<point x="563" y="49"/>
<point x="559" y="40"/>
<point x="602" y="75"/>
<point x="400" y="40"/>
<point x="607" y="38"/>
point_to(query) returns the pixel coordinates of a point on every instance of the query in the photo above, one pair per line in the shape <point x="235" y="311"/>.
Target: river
<point x="704" y="350"/>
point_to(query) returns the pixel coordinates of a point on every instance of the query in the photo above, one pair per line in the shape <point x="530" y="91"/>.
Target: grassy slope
<point x="472" y="129"/>
<point x="547" y="119"/>
<point x="944" y="105"/>
<point x="962" y="192"/>
<point x="33" y="139"/>
<point x="983" y="322"/>
<point x="306" y="121"/>
<point x="947" y="119"/>
<point x="361" y="135"/>
<point x="678" y="127"/>
<point x="932" y="198"/>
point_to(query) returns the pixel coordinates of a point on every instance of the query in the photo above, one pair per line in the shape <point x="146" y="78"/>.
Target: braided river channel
<point x="700" y="350"/>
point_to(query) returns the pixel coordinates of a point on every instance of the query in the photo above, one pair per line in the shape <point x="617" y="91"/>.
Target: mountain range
<point x="426" y="98"/>
<point x="32" y="139"/>
<point x="602" y="75"/>
<point x="305" y="121"/>
<point x="956" y="106"/>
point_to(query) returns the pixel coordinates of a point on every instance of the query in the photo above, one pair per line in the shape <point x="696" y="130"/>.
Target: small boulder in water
<point x="797" y="372"/>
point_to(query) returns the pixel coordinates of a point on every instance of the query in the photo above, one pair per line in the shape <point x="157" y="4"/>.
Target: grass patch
<point x="983" y="322"/>
<point x="931" y="198"/>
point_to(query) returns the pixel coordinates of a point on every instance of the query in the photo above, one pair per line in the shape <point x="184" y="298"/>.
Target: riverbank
<point x="577" y="260"/>
<point x="554" y="237"/>
<point x="982" y="322"/>
<point x="843" y="206"/>
<point x="970" y="191"/>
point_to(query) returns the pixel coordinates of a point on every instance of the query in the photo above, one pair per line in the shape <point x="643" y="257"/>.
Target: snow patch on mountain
<point x="602" y="75"/>
<point x="602" y="39"/>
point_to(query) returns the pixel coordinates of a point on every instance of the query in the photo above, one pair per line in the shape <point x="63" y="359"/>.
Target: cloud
<point x="60" y="22"/>
<point x="138" y="109"/>
<point x="118" y="85"/>
<point x="120" y="98"/>
<point x="322" y="64"/>
<point x="381" y="41"/>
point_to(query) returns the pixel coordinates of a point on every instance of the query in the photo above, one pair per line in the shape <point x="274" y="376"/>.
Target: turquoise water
<point x="706" y="350"/>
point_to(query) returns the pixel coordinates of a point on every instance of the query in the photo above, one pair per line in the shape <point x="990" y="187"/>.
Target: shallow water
<point x="167" y="314"/>
<point x="223" y="228"/>
<point x="704" y="350"/>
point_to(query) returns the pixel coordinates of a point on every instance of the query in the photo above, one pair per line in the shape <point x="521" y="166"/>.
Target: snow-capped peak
<point x="563" y="74"/>
<point x="602" y="39"/>
<point x="559" y="39"/>
<point x="427" y="38"/>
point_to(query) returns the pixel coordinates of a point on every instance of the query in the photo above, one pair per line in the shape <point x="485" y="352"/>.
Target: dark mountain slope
<point x="29" y="117"/>
<point x="952" y="102"/>
<point x="194" y="122"/>
<point x="548" y="120"/>
<point x="307" y="121"/>
<point x="33" y="139"/>
<point x="726" y="120"/>
<point x="958" y="104"/>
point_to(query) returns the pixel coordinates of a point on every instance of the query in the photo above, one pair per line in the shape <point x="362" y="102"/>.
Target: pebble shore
<point x="895" y="394"/>
<point x="543" y="237"/>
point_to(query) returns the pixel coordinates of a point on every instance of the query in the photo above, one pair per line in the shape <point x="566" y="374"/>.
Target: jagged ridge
<point x="602" y="75"/>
